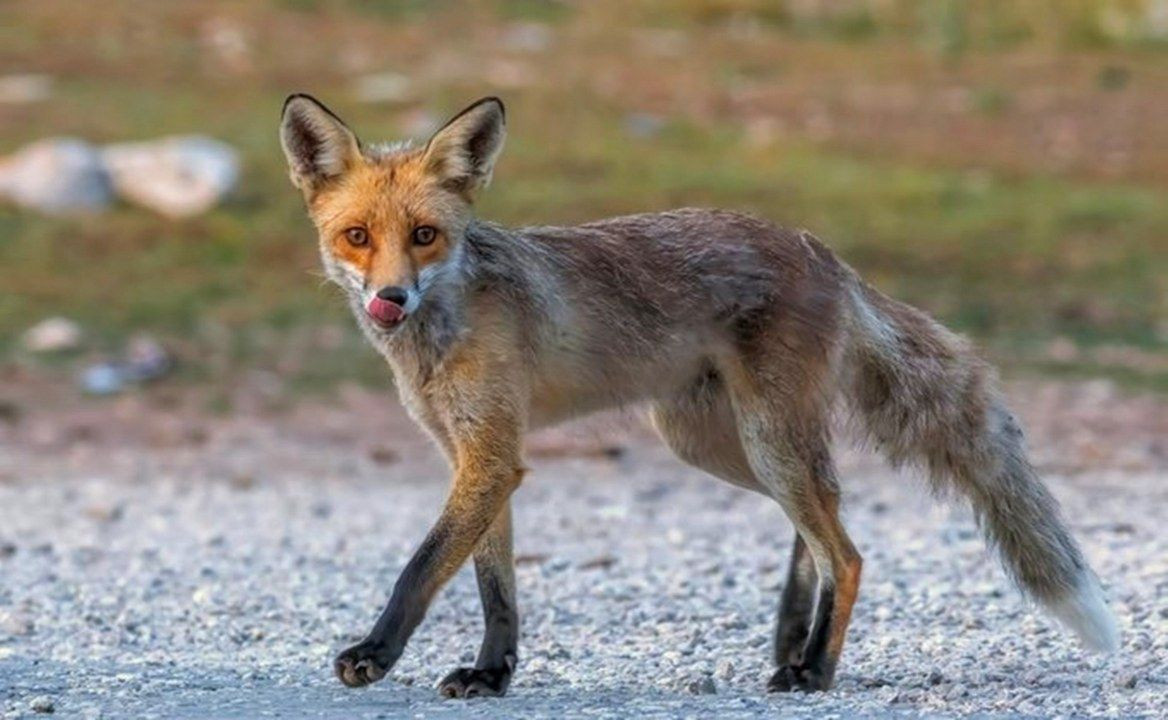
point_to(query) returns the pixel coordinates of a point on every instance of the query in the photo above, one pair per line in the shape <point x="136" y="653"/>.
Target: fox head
<point x="391" y="219"/>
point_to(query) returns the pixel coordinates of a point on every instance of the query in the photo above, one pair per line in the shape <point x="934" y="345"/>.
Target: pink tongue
<point x="385" y="311"/>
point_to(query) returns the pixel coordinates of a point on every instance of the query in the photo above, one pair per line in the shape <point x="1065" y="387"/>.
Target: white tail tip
<point x="1085" y="611"/>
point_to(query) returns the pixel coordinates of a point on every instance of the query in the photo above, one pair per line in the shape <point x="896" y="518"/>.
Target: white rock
<point x="53" y="335"/>
<point x="724" y="670"/>
<point x="56" y="176"/>
<point x="176" y="176"/>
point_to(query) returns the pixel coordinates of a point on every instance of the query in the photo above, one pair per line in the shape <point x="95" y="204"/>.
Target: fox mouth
<point x="385" y="313"/>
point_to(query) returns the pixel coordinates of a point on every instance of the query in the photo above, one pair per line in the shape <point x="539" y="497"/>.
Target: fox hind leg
<point x="784" y="434"/>
<point x="796" y="607"/>
<point x="812" y="624"/>
<point x="700" y="426"/>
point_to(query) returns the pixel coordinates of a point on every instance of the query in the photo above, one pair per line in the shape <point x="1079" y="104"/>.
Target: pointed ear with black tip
<point x="462" y="154"/>
<point x="319" y="147"/>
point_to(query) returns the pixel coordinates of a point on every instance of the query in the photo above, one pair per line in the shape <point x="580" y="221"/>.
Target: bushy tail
<point x="922" y="396"/>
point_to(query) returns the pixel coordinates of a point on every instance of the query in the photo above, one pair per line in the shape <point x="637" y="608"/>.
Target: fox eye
<point x="357" y="236"/>
<point x="424" y="235"/>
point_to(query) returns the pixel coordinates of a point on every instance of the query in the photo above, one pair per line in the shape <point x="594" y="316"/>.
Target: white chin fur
<point x="1085" y="611"/>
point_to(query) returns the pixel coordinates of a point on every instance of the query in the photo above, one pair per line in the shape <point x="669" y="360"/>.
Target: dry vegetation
<point x="1004" y="165"/>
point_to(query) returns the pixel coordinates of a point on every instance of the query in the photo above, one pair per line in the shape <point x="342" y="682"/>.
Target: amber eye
<point x="424" y="235"/>
<point x="357" y="236"/>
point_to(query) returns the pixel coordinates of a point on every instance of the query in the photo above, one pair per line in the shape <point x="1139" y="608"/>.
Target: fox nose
<point x="393" y="294"/>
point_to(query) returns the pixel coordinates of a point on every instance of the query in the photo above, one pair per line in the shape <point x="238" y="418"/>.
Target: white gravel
<point x="216" y="578"/>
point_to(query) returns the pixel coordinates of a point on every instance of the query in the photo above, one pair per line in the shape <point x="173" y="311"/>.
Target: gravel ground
<point x="157" y="562"/>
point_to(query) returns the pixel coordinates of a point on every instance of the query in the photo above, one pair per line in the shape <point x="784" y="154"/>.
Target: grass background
<point x="1003" y="165"/>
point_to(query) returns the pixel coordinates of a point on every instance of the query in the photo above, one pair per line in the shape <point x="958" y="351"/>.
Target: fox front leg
<point x="495" y="571"/>
<point x="476" y="499"/>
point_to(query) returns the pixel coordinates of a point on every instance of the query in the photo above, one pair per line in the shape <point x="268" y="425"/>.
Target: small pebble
<point x="724" y="669"/>
<point x="42" y="704"/>
<point x="703" y="685"/>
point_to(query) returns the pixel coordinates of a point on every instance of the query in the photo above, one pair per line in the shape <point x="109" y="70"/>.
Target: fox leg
<point x="785" y="439"/>
<point x="495" y="571"/>
<point x="699" y="425"/>
<point x="487" y="472"/>
<point x="796" y="606"/>
<point x="812" y="666"/>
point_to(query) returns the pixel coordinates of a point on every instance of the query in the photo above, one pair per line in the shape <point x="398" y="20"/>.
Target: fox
<point x="743" y="339"/>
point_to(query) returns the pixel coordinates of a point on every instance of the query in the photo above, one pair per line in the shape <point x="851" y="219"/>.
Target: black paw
<point x="362" y="664"/>
<point x="789" y="678"/>
<point x="473" y="682"/>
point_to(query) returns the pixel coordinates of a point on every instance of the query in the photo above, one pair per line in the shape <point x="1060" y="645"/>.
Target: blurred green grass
<point x="1015" y="258"/>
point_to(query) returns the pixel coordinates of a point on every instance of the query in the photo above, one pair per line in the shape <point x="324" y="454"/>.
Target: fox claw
<point x="475" y="682"/>
<point x="359" y="665"/>
<point x="789" y="678"/>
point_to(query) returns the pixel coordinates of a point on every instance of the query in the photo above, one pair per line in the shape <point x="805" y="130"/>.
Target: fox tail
<point x="922" y="396"/>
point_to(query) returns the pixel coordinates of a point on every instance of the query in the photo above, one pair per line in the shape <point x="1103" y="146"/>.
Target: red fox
<point x="741" y="337"/>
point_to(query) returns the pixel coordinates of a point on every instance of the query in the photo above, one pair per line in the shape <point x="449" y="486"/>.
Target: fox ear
<point x="317" y="144"/>
<point x="462" y="154"/>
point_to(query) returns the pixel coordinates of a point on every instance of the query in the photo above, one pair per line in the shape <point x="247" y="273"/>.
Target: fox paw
<point x="789" y="678"/>
<point x="362" y="664"/>
<point x="475" y="682"/>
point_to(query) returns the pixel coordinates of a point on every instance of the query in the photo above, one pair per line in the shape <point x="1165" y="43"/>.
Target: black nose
<point x="394" y="294"/>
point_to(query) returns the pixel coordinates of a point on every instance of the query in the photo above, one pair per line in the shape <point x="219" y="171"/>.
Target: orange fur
<point x="389" y="198"/>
